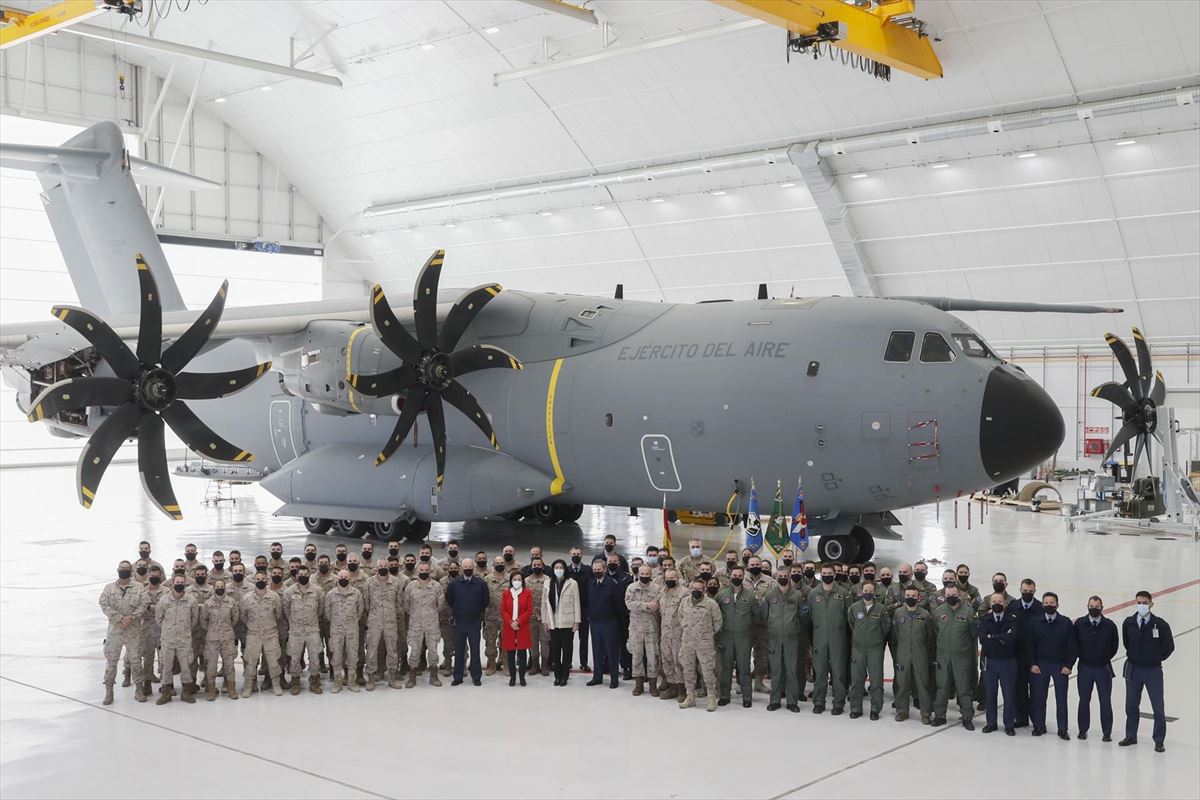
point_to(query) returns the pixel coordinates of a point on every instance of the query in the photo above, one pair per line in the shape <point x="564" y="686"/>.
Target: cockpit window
<point x="900" y="346"/>
<point x="935" y="349"/>
<point x="973" y="346"/>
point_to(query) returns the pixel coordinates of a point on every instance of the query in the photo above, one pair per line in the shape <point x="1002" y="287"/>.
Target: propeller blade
<point x="437" y="425"/>
<point x="152" y="464"/>
<point x="1137" y="452"/>
<point x="482" y="356"/>
<point x="390" y="331"/>
<point x="210" y="385"/>
<point x="1159" y="392"/>
<point x="1127" y="432"/>
<point x="1117" y="394"/>
<point x="185" y="348"/>
<point x="103" y="338"/>
<point x="199" y="437"/>
<point x="1125" y="359"/>
<point x="413" y="404"/>
<point x="149" y="346"/>
<point x="79" y="393"/>
<point x="463" y="313"/>
<point x="425" y="300"/>
<point x="386" y="383"/>
<point x="1149" y="454"/>
<point x="457" y="395"/>
<point x="101" y="448"/>
<point x="1145" y="370"/>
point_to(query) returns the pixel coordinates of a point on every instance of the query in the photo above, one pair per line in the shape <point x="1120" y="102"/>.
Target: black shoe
<point x="456" y="682"/>
<point x="1127" y="741"/>
<point x="522" y="680"/>
<point x="1159" y="747"/>
<point x="1021" y="724"/>
<point x="836" y="712"/>
<point x="818" y="709"/>
<point x="724" y="701"/>
<point x="627" y="675"/>
<point x="747" y="703"/>
<point x="938" y="722"/>
<point x="773" y="706"/>
<point x="795" y="709"/>
<point x="968" y="724"/>
<point x="1106" y="738"/>
<point x="803" y="697"/>
<point x="874" y="716"/>
<point x="1081" y="735"/>
<point x="1009" y="732"/>
<point x="989" y="728"/>
<point x="855" y="714"/>
<point x="1066" y="737"/>
<point x="615" y="684"/>
<point x="476" y="682"/>
<point x="512" y="680"/>
<point x="1039" y="731"/>
<point x="595" y="682"/>
<point x="585" y="668"/>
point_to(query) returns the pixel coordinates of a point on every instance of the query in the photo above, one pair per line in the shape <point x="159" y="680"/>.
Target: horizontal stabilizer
<point x="959" y="304"/>
<point x="84" y="163"/>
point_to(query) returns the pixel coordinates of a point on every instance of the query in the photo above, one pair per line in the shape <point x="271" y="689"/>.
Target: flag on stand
<point x="666" y="540"/>
<point x="799" y="531"/>
<point x="753" y="525"/>
<point x="777" y="528"/>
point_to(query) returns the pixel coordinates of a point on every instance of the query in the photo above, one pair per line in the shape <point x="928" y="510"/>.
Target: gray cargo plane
<point x="339" y="406"/>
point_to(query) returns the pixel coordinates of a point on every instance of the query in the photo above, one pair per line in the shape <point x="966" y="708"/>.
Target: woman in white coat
<point x="561" y="615"/>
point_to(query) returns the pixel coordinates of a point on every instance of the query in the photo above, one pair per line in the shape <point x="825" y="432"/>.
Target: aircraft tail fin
<point x="98" y="217"/>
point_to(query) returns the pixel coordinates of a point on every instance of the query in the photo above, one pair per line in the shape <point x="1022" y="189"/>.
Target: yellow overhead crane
<point x="18" y="27"/>
<point x="884" y="31"/>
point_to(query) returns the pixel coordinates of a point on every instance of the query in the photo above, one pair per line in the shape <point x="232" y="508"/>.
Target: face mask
<point x="517" y="584"/>
<point x="353" y="567"/>
<point x="276" y="554"/>
<point x="782" y="580"/>
<point x="840" y="578"/>
<point x="706" y="575"/>
<point x="697" y="594"/>
<point x="142" y="570"/>
<point x="303" y="580"/>
<point x="672" y="584"/>
<point x="238" y="577"/>
<point x="343" y="582"/>
<point x="393" y="570"/>
<point x="409" y="566"/>
<point x="652" y="560"/>
<point x="499" y="568"/>
<point x="998" y="586"/>
<point x="608" y="548"/>
<point x="423" y="576"/>
<point x="144" y="555"/>
<point x="756" y="571"/>
<point x="810" y="573"/>
<point x="200" y="579"/>
<point x="559" y="572"/>
<point x="644" y="579"/>
<point x="453" y="551"/>
<point x="613" y="568"/>
<point x="424" y="557"/>
<point x="952" y="601"/>
<point x="340" y="556"/>
<point x="323" y="569"/>
<point x="276" y="579"/>
<point x="868" y="596"/>
<point x="1050" y="610"/>
<point x="219" y="592"/>
<point x="920" y="575"/>
<point x="536" y="570"/>
<point x="905" y="577"/>
<point x="310" y="556"/>
<point x="1026" y="596"/>
<point x="947" y="584"/>
<point x="508" y="556"/>
<point x="787" y="562"/>
<point x="179" y="571"/>
<point x="736" y="581"/>
<point x="124" y="574"/>
<point x="294" y="572"/>
<point x="481" y="564"/>
<point x="453" y="573"/>
<point x="367" y="554"/>
<point x="911" y="602"/>
<point x="470" y="573"/>
<point x="886" y="581"/>
<point x="965" y="579"/>
<point x="178" y="588"/>
<point x="261" y="568"/>
<point x="1095" y="612"/>
<point x="155" y="580"/>
<point x="868" y="576"/>
<point x="695" y="551"/>
<point x="394" y="551"/>
<point x="745" y="560"/>
<point x="190" y="556"/>
<point x="598" y="575"/>
<point x="730" y="565"/>
<point x="712" y="590"/>
<point x="260" y="584"/>
<point x="797" y="577"/>
<point x="826" y="579"/>
<point x="576" y="559"/>
<point x="998" y="608"/>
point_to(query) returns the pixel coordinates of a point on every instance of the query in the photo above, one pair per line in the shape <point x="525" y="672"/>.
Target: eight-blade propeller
<point x="1138" y="397"/>
<point x="429" y="363"/>
<point x="148" y="390"/>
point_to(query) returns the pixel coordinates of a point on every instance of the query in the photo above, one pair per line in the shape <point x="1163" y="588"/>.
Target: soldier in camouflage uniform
<point x="155" y="591"/>
<point x="452" y="571"/>
<point x="385" y="608"/>
<point x="343" y="608"/>
<point x="200" y="590"/>
<point x="277" y="588"/>
<point x="497" y="583"/>
<point x="124" y="603"/>
<point x="912" y="640"/>
<point x="261" y="611"/>
<point x="827" y="603"/>
<point x="539" y="650"/>
<point x="358" y="580"/>
<point x="303" y="603"/>
<point x="423" y="599"/>
<point x="218" y="615"/>
<point x="177" y="615"/>
<point x="191" y="563"/>
<point x="782" y="620"/>
<point x="673" y="593"/>
<point x="642" y="599"/>
<point x="689" y="565"/>
<point x="957" y="630"/>
<point x="700" y="623"/>
<point x="870" y="626"/>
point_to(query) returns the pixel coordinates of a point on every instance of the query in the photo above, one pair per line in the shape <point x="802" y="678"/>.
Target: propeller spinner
<point x="430" y="364"/>
<point x="1138" y="397"/>
<point x="148" y="390"/>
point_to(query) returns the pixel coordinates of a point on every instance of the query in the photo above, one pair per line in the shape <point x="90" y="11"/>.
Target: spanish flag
<point x="666" y="542"/>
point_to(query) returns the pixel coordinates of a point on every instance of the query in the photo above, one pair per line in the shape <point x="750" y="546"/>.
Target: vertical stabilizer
<point x="101" y="224"/>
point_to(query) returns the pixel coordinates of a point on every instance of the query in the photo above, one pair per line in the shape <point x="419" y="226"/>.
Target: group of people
<point x="679" y="630"/>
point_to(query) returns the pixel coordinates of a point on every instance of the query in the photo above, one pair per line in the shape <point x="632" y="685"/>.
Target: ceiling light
<point x="427" y="46"/>
<point x="857" y="175"/>
<point x="450" y="225"/>
<point x="787" y="185"/>
<point x="599" y="208"/>
<point x="219" y="100"/>
<point x="265" y="88"/>
<point x="1126" y="142"/>
<point x="656" y="199"/>
<point x="939" y="165"/>
<point x="492" y="30"/>
<point x="1026" y="155"/>
<point x="545" y="213"/>
<point x="718" y="192"/>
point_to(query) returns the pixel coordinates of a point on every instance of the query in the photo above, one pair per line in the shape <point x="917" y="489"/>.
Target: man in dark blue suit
<point x="1051" y="650"/>
<point x="580" y="573"/>
<point x="605" y="603"/>
<point x="468" y="598"/>
<point x="1000" y="640"/>
<point x="1026" y="609"/>
<point x="1148" y="643"/>
<point x="1097" y="641"/>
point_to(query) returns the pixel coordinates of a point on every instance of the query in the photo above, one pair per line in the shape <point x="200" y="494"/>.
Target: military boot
<point x="283" y="682"/>
<point x="108" y="694"/>
<point x="276" y="689"/>
<point x="370" y="681"/>
<point x="125" y="682"/>
<point x="146" y="690"/>
<point x="688" y="701"/>
<point x="359" y="680"/>
<point x="139" y="694"/>
<point x="250" y="688"/>
<point x="760" y="687"/>
<point x="189" y="693"/>
<point x="491" y="667"/>
<point x="210" y="690"/>
<point x="393" y="680"/>
<point x="712" y="702"/>
<point x="351" y="685"/>
<point x="314" y="683"/>
<point x="295" y="686"/>
<point x="434" y="680"/>
<point x="653" y="688"/>
<point x="638" y="686"/>
<point x="338" y="682"/>
<point x="670" y="693"/>
<point x="164" y="696"/>
<point x="446" y="667"/>
<point x="412" y="679"/>
<point x="925" y="718"/>
<point x="231" y="689"/>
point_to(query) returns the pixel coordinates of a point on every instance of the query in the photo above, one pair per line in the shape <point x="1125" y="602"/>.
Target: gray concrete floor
<point x="56" y="740"/>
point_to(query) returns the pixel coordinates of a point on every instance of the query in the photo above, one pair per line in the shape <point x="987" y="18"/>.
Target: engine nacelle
<point x="46" y="360"/>
<point x="319" y="366"/>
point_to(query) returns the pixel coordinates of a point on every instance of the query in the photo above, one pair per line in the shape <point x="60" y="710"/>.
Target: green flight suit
<point x="869" y="628"/>
<point x="831" y="642"/>
<point x="957" y="631"/>
<point x="913" y="642"/>
<point x="740" y="612"/>
<point x="893" y="598"/>
<point x="783" y="620"/>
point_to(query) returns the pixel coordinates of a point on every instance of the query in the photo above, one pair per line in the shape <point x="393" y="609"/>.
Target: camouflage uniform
<point x="422" y="602"/>
<point x="199" y="595"/>
<point x="118" y="602"/>
<point x="218" y="615"/>
<point x="700" y="624"/>
<point x="497" y="583"/>
<point x="385" y="609"/>
<point x="446" y="625"/>
<point x="190" y="567"/>
<point x="327" y="582"/>
<point x="539" y="651"/>
<point x="358" y="580"/>
<point x="282" y="629"/>
<point x="303" y="605"/>
<point x="261" y="616"/>
<point x="237" y="591"/>
<point x="150" y="634"/>
<point x="177" y="615"/>
<point x="343" y="608"/>
<point x="672" y="634"/>
<point x="643" y="628"/>
<point x="688" y="568"/>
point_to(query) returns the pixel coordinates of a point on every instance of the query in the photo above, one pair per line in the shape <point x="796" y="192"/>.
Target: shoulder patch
<point x="945" y="617"/>
<point x="859" y="615"/>
<point x="818" y="598"/>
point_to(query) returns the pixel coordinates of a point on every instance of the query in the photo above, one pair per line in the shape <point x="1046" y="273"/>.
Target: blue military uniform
<point x="1097" y="642"/>
<point x="1051" y="646"/>
<point x="1000" y="642"/>
<point x="468" y="599"/>
<point x="1025" y="614"/>
<point x="1148" y="643"/>
<point x="606" y="599"/>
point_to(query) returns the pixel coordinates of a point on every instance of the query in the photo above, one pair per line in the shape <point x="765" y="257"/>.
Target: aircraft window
<point x="900" y="346"/>
<point x="934" y="349"/>
<point x="973" y="346"/>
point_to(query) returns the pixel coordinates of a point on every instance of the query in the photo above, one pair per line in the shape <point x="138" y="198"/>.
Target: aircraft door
<point x="282" y="432"/>
<point x="660" y="463"/>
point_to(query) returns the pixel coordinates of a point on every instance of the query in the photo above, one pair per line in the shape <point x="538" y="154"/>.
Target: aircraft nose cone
<point x="1019" y="424"/>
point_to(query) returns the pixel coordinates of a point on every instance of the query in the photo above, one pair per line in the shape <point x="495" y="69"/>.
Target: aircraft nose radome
<point x="1019" y="425"/>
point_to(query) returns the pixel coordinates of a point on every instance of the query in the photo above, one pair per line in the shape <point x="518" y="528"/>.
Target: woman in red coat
<point x="516" y="610"/>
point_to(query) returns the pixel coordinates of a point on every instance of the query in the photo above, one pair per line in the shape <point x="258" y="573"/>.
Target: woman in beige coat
<point x="561" y="616"/>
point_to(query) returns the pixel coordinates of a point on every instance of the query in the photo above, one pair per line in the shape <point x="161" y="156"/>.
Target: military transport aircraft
<point x="340" y="406"/>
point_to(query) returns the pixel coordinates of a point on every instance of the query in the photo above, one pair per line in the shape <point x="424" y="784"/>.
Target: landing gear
<point x="837" y="548"/>
<point x="572" y="513"/>
<point x="547" y="513"/>
<point x="383" y="531"/>
<point x="317" y="526"/>
<point x="514" y="516"/>
<point x="866" y="543"/>
<point x="350" y="527"/>
<point x="721" y="520"/>
<point x="418" y="530"/>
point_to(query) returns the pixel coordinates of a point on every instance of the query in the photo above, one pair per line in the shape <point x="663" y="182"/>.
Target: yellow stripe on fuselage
<point x="349" y="361"/>
<point x="556" y="486"/>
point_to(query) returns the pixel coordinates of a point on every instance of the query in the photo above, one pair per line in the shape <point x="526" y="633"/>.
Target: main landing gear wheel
<point x="837" y="548"/>
<point x="317" y="526"/>
<point x="350" y="527"/>
<point x="547" y="513"/>
<point x="383" y="531"/>
<point x="571" y="513"/>
<point x="865" y="542"/>
<point x="417" y="530"/>
<point x="720" y="520"/>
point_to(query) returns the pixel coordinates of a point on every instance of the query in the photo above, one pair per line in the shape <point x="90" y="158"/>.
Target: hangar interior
<point x="669" y="151"/>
